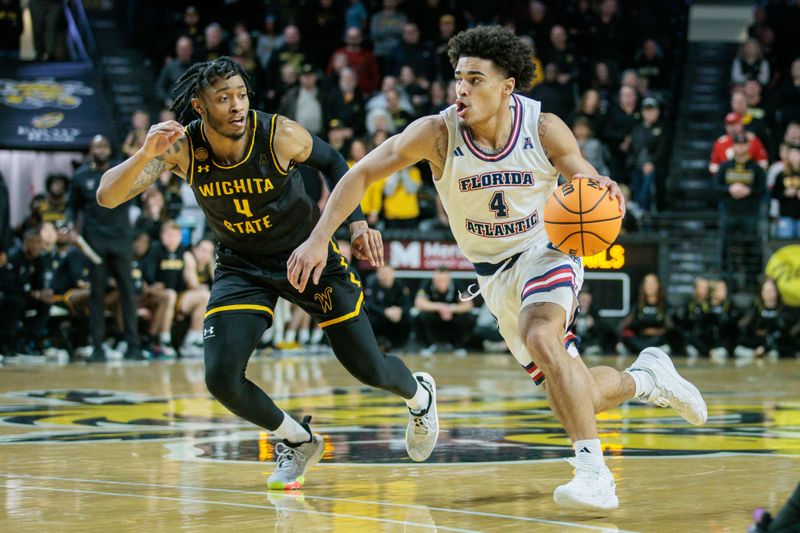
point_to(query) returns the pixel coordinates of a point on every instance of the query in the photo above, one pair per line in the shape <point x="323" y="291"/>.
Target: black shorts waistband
<point x="487" y="269"/>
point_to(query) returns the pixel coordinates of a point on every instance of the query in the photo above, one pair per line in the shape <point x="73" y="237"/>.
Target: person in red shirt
<point x="723" y="146"/>
<point x="359" y="59"/>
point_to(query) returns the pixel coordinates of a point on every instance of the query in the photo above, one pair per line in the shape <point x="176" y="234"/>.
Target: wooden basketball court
<point x="143" y="447"/>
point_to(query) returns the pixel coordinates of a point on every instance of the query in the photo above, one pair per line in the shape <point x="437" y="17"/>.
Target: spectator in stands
<point x="154" y="302"/>
<point x="740" y="185"/>
<point x="21" y="289"/>
<point x="414" y="52"/>
<point x="589" y="108"/>
<point x="293" y="52"/>
<point x="553" y="92"/>
<point x="389" y="304"/>
<point x="389" y="83"/>
<point x="214" y="44"/>
<point x="47" y="17"/>
<point x="10" y="29"/>
<point x="303" y="103"/>
<point x="749" y="64"/>
<point x="787" y="97"/>
<point x="372" y="202"/>
<point x="401" y="199"/>
<point x="173" y="265"/>
<point x="595" y="336"/>
<point x="54" y="207"/>
<point x="204" y="256"/>
<point x="607" y="43"/>
<point x="752" y="118"/>
<point x="692" y="319"/>
<point x="763" y="326"/>
<point x="356" y="15"/>
<point x="649" y="322"/>
<point x="592" y="149"/>
<point x="243" y="53"/>
<point x="267" y="40"/>
<point x="647" y="157"/>
<point x="415" y="87"/>
<point x="174" y="70"/>
<point x="34" y="218"/>
<point x="326" y="24"/>
<point x="443" y="317"/>
<point x="561" y="52"/>
<point x="108" y="232"/>
<point x="621" y="120"/>
<point x="361" y="60"/>
<point x="651" y="65"/>
<point x="537" y="24"/>
<point x="721" y="319"/>
<point x="787" y="193"/>
<point x="603" y="83"/>
<point x="447" y="28"/>
<point x="723" y="149"/>
<point x="386" y="31"/>
<point x="399" y="116"/>
<point x="153" y="214"/>
<point x="191" y="28"/>
<point x="345" y="104"/>
<point x="140" y="125"/>
<point x="438" y="99"/>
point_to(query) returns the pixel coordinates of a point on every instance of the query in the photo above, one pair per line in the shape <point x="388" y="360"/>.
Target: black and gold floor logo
<point x="365" y="426"/>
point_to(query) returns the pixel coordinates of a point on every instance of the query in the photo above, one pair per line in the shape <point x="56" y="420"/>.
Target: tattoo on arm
<point x="542" y="125"/>
<point x="440" y="148"/>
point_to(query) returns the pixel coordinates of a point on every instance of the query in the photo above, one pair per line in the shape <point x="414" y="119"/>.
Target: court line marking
<point x="321" y="498"/>
<point x="235" y="504"/>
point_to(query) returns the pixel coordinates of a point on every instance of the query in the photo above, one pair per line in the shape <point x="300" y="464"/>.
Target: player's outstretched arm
<point x="165" y="148"/>
<point x="562" y="149"/>
<point x="422" y="139"/>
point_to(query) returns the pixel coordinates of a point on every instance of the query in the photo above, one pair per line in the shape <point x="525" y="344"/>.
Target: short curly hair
<point x="499" y="45"/>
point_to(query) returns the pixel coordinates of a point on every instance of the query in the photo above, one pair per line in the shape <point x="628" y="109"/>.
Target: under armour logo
<point x="528" y="143"/>
<point x="202" y="168"/>
<point x="324" y="299"/>
<point x="208" y="332"/>
<point x="457" y="152"/>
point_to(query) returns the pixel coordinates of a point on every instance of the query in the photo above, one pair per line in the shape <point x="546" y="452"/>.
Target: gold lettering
<point x="250" y="186"/>
<point x="238" y="226"/>
<point x="268" y="185"/>
<point x="267" y="223"/>
<point x="207" y="189"/>
<point x="257" y="224"/>
<point x="239" y="186"/>
<point x="228" y="225"/>
<point x="248" y="227"/>
<point x="226" y="188"/>
<point x="243" y="207"/>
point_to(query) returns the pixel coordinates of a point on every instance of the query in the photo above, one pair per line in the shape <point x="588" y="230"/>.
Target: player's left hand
<point x="613" y="188"/>
<point x="366" y="243"/>
<point x="307" y="261"/>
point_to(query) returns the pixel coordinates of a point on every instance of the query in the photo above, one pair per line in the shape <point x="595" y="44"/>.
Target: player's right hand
<point x="160" y="137"/>
<point x="307" y="261"/>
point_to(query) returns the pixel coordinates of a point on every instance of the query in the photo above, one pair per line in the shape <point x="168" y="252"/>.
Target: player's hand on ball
<point x="160" y="137"/>
<point x="613" y="188"/>
<point x="307" y="261"/>
<point x="366" y="243"/>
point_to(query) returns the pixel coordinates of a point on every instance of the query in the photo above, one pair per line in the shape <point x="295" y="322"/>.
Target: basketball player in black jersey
<point x="241" y="166"/>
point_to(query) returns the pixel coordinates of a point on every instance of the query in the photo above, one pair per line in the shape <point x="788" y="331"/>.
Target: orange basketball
<point x="582" y="218"/>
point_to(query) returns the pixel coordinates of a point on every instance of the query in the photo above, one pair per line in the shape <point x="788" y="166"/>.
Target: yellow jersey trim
<point x="191" y="155"/>
<point x="249" y="150"/>
<point x="240" y="307"/>
<point x="343" y="262"/>
<point x="278" y="166"/>
<point x="348" y="316"/>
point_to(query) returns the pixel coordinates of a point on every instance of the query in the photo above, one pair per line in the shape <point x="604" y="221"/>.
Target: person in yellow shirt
<point x="400" y="201"/>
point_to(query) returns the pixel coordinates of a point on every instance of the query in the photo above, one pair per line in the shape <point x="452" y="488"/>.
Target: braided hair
<point x="198" y="77"/>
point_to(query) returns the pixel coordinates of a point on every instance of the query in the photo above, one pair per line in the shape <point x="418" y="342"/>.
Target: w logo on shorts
<point x="324" y="299"/>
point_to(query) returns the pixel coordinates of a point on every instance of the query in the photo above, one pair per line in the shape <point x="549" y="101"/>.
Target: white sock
<point x="165" y="338"/>
<point x="291" y="430"/>
<point x="193" y="336"/>
<point x="303" y="336"/>
<point x="421" y="399"/>
<point x="290" y="336"/>
<point x="643" y="381"/>
<point x="589" y="451"/>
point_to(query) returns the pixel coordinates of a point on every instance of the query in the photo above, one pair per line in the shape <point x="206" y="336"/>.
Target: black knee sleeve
<point x="356" y="348"/>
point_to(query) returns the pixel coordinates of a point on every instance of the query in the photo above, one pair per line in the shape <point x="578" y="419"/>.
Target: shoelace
<point x="582" y="470"/>
<point x="422" y="424"/>
<point x="285" y="456"/>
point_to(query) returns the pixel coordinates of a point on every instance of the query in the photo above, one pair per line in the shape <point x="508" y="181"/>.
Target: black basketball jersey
<point x="254" y="206"/>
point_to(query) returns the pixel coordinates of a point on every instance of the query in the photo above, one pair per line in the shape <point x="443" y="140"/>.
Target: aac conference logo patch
<point x="43" y="92"/>
<point x="201" y="154"/>
<point x="364" y="426"/>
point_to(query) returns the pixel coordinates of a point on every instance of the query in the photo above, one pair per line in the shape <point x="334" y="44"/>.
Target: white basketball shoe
<point x="670" y="390"/>
<point x="592" y="488"/>
<point x="422" y="431"/>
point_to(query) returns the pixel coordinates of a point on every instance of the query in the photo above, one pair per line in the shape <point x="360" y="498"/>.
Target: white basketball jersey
<point x="495" y="202"/>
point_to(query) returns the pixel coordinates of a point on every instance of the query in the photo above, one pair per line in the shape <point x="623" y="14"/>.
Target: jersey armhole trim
<point x="191" y="157"/>
<point x="275" y="161"/>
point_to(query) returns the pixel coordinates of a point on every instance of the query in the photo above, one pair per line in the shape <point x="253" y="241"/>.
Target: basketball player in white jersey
<point x="496" y="159"/>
